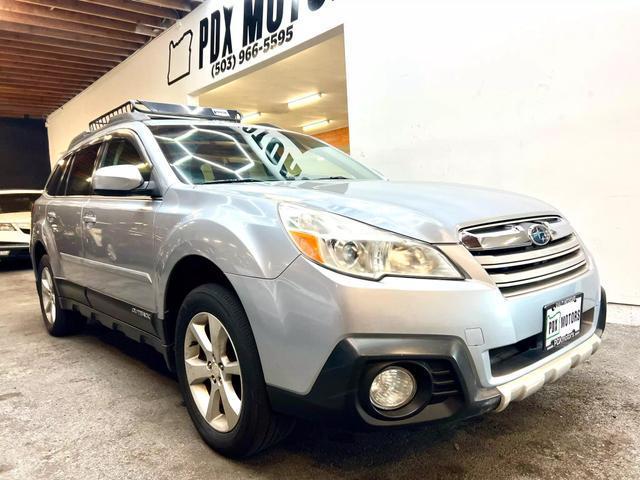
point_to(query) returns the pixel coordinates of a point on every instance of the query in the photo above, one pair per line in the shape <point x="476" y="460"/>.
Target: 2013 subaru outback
<point x="281" y="278"/>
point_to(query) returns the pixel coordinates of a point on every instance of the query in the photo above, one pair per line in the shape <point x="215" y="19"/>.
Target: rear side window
<point x="79" y="182"/>
<point x="55" y="180"/>
<point x="120" y="151"/>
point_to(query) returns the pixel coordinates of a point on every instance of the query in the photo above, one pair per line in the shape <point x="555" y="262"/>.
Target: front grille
<point x="518" y="266"/>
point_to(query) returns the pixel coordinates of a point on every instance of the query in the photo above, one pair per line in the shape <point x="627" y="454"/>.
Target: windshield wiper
<point x="247" y="180"/>
<point x="337" y="177"/>
<point x="231" y="180"/>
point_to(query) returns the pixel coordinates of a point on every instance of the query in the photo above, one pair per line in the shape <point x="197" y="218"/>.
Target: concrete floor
<point x="99" y="406"/>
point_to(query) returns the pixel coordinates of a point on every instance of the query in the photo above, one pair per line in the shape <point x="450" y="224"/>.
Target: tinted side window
<point x="120" y="151"/>
<point x="53" y="185"/>
<point x="79" y="182"/>
<point x="64" y="179"/>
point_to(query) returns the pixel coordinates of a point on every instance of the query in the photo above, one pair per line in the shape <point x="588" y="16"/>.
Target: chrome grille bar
<point x="503" y="235"/>
<point x="563" y="247"/>
<point x="515" y="264"/>
<point x="534" y="274"/>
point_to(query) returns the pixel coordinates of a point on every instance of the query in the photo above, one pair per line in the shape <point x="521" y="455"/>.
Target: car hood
<point x="433" y="212"/>
<point x="20" y="218"/>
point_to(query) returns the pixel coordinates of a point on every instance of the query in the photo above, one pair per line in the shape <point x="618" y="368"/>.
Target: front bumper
<point x="524" y="386"/>
<point x="339" y="395"/>
<point x="340" y="392"/>
<point x="13" y="250"/>
<point x="299" y="317"/>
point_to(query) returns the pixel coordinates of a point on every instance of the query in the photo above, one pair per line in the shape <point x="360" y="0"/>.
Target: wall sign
<point x="239" y="33"/>
<point x="180" y="57"/>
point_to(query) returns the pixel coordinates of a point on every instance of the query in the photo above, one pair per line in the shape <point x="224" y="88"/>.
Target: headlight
<point x="7" y="227"/>
<point x="355" y="248"/>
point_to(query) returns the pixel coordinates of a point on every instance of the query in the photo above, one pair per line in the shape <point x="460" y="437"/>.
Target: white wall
<point x="537" y="97"/>
<point x="542" y="99"/>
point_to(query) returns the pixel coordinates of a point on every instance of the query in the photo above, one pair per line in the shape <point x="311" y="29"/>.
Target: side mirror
<point x="117" y="179"/>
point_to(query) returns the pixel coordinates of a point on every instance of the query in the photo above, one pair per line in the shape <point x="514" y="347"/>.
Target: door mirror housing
<point x="117" y="179"/>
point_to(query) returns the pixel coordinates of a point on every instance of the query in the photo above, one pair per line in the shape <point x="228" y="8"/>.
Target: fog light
<point x="392" y="388"/>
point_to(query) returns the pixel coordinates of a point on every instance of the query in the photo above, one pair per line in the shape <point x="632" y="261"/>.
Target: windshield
<point x="17" y="202"/>
<point x="219" y="153"/>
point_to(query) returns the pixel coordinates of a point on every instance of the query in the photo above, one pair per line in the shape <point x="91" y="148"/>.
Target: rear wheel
<point x="221" y="377"/>
<point x="59" y="322"/>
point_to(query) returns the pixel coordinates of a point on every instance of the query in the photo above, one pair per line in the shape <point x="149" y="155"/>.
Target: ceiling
<point x="320" y="68"/>
<point x="53" y="49"/>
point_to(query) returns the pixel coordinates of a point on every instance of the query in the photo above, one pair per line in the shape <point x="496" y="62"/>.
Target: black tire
<point x="258" y="427"/>
<point x="65" y="322"/>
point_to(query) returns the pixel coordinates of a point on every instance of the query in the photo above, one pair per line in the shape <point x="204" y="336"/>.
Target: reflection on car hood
<point x="432" y="212"/>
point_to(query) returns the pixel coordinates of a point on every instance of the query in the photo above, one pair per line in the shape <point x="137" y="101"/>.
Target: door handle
<point x="89" y="218"/>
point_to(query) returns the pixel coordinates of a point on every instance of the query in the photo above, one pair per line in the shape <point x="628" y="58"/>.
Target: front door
<point x="118" y="242"/>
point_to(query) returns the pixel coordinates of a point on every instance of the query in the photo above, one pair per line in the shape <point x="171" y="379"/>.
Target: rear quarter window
<point x="53" y="184"/>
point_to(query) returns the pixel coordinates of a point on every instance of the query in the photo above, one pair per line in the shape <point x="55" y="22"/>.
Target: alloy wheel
<point x="48" y="295"/>
<point x="213" y="371"/>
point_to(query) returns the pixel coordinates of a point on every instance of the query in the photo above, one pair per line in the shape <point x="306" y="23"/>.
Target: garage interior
<point x="98" y="405"/>
<point x="305" y="92"/>
<point x="53" y="49"/>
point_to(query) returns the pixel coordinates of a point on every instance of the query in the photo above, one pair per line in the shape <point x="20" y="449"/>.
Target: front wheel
<point x="221" y="377"/>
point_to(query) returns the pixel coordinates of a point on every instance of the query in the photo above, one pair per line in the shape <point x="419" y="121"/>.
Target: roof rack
<point x="164" y="110"/>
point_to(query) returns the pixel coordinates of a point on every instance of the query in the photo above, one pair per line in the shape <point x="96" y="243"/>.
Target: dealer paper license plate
<point x="562" y="321"/>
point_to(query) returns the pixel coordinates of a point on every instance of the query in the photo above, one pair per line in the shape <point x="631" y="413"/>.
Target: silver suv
<point x="280" y="278"/>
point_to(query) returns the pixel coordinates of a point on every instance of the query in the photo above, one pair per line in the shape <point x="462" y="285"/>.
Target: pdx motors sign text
<point x="236" y="34"/>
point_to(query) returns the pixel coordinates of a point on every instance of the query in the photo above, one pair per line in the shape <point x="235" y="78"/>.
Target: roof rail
<point x="164" y="110"/>
<point x="78" y="138"/>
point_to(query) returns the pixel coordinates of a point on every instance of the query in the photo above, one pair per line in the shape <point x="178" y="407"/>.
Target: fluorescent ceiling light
<point x="315" y="125"/>
<point x="300" y="101"/>
<point x="251" y="115"/>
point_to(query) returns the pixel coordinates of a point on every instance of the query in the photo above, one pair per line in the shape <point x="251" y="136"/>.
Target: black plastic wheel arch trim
<point x="602" y="314"/>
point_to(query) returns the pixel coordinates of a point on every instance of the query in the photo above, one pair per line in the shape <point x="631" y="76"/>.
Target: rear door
<point x="118" y="237"/>
<point x="64" y="217"/>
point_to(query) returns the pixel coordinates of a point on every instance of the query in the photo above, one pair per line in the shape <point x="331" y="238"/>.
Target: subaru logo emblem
<point x="539" y="234"/>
